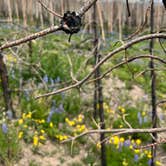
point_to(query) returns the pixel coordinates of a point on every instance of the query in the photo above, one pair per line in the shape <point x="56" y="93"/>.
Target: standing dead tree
<point x="153" y="86"/>
<point x="5" y="86"/>
<point x="98" y="93"/>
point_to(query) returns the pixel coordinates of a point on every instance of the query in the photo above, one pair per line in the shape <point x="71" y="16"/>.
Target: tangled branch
<point x="108" y="56"/>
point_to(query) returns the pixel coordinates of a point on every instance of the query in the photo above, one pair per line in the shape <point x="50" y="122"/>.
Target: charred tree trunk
<point x="98" y="93"/>
<point x="95" y="43"/>
<point x="153" y="86"/>
<point x="5" y="86"/>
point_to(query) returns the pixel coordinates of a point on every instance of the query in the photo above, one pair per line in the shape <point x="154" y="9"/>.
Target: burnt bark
<point x="153" y="86"/>
<point x="5" y="86"/>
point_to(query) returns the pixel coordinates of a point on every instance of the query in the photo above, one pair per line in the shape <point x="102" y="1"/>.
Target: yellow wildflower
<point x="25" y="126"/>
<point x="35" y="140"/>
<point x="120" y="126"/>
<point x="115" y="140"/>
<point x="146" y="152"/>
<point x="29" y="115"/>
<point x="131" y="146"/>
<point x="41" y="121"/>
<point x="61" y="137"/>
<point x="158" y="163"/>
<point x="80" y="128"/>
<point x="125" y="163"/>
<point x="149" y="155"/>
<point x="121" y="109"/>
<point x="98" y="145"/>
<point x="23" y="115"/>
<point x="137" y="151"/>
<point x="20" y="134"/>
<point x="65" y="137"/>
<point x="70" y="123"/>
<point x="138" y="141"/>
<point x="20" y="121"/>
<point x="42" y="137"/>
<point x="42" y="131"/>
<point x="80" y="118"/>
<point x="143" y="113"/>
<point x="132" y="141"/>
<point x="121" y="139"/>
<point x="51" y="124"/>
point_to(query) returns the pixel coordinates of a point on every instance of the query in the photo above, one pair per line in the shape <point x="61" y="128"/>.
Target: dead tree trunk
<point x="5" y="86"/>
<point x="98" y="93"/>
<point x="153" y="86"/>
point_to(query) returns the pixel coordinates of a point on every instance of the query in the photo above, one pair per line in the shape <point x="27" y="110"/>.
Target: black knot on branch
<point x="71" y="23"/>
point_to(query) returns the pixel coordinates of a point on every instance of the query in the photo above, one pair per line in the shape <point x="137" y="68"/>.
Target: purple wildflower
<point x="127" y="143"/>
<point x="4" y="128"/>
<point x="9" y="114"/>
<point x="52" y="81"/>
<point x="149" y="162"/>
<point x="140" y="120"/>
<point x="60" y="109"/>
<point x="145" y="119"/>
<point x="45" y="79"/>
<point x="136" y="157"/>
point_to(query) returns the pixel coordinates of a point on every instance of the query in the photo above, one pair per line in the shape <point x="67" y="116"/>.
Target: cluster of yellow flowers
<point x="131" y="144"/>
<point x="121" y="109"/>
<point x="77" y="124"/>
<point x="107" y="108"/>
<point x="116" y="140"/>
<point x="39" y="138"/>
<point x="61" y="137"/>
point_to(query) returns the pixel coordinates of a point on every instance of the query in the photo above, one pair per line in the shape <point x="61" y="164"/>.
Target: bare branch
<point x="49" y="10"/>
<point x="128" y="8"/>
<point x="141" y="26"/>
<point x="161" y="102"/>
<point x="86" y="7"/>
<point x="130" y="60"/>
<point x="108" y="56"/>
<point x="116" y="132"/>
<point x="30" y="37"/>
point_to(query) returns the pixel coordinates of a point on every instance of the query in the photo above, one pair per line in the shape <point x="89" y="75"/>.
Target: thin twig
<point x="86" y="7"/>
<point x="141" y="26"/>
<point x="127" y="61"/>
<point x="49" y="10"/>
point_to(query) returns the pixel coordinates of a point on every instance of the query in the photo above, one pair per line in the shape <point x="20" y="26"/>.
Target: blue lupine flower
<point x="136" y="157"/>
<point x="138" y="115"/>
<point x="62" y="95"/>
<point x="57" y="79"/>
<point x="9" y="114"/>
<point x="26" y="93"/>
<point x="52" y="111"/>
<point x="4" y="128"/>
<point x="127" y="142"/>
<point x="140" y="120"/>
<point x="149" y="162"/>
<point x="51" y="81"/>
<point x="13" y="74"/>
<point x="145" y="119"/>
<point x="120" y="147"/>
<point x="45" y="79"/>
<point x="60" y="109"/>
